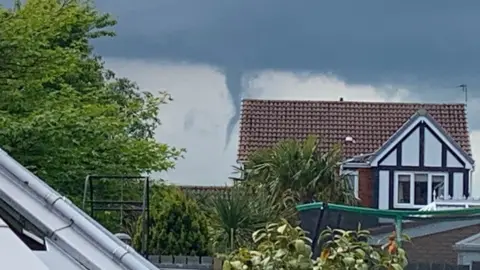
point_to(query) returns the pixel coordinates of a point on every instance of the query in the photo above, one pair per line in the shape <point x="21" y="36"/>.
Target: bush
<point x="177" y="226"/>
<point x="282" y="246"/>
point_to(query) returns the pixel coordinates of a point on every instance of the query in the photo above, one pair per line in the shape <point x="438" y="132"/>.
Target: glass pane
<point x="438" y="186"/>
<point x="403" y="189"/>
<point x="351" y="181"/>
<point x="421" y="189"/>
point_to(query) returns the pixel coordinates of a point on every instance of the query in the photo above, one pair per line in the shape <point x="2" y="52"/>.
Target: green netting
<point x="468" y="213"/>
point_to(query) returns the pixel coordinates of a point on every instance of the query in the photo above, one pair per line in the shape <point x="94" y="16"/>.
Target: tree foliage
<point x="62" y="114"/>
<point x="297" y="171"/>
<point x="177" y="226"/>
<point x="282" y="246"/>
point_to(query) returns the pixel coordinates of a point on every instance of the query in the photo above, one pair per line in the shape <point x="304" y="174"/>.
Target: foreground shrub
<point x="282" y="246"/>
<point x="177" y="226"/>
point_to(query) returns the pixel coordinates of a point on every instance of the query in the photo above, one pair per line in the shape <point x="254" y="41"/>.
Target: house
<point x="435" y="241"/>
<point x="41" y="229"/>
<point x="398" y="155"/>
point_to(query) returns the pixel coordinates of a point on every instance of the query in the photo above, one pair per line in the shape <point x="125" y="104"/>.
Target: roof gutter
<point x="94" y="231"/>
<point x="355" y="165"/>
<point x="352" y="164"/>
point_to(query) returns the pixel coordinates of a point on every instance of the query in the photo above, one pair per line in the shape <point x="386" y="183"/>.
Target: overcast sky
<point x="209" y="54"/>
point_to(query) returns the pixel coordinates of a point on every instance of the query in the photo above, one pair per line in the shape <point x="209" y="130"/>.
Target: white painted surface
<point x="468" y="257"/>
<point x="411" y="149"/>
<point x="56" y="259"/>
<point x="391" y="159"/>
<point x="468" y="165"/>
<point x="457" y="185"/>
<point x="408" y="152"/>
<point x="73" y="231"/>
<point x="14" y="254"/>
<point x="383" y="189"/>
<point x="36" y="213"/>
<point x="433" y="150"/>
<point x="452" y="161"/>
<point x="450" y="204"/>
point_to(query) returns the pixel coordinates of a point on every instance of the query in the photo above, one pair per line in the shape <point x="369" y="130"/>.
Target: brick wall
<point x="365" y="187"/>
<point x="438" y="247"/>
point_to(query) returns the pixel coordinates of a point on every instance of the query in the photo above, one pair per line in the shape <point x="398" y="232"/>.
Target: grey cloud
<point x="189" y="120"/>
<point x="429" y="48"/>
<point x="359" y="40"/>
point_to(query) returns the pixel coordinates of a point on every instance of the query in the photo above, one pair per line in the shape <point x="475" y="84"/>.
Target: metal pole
<point x="85" y="190"/>
<point x="316" y="232"/>
<point x="398" y="230"/>
<point x="465" y="91"/>
<point x="144" y="220"/>
<point x="147" y="199"/>
<point x="92" y="214"/>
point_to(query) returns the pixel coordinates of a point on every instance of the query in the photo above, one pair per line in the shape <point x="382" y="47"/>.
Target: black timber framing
<point x="421" y="143"/>
<point x="399" y="167"/>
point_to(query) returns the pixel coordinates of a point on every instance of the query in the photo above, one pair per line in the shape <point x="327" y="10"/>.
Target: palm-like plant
<point x="298" y="171"/>
<point x="237" y="215"/>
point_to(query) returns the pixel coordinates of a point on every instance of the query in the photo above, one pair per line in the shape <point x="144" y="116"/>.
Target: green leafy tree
<point x="62" y="114"/>
<point x="177" y="225"/>
<point x="282" y="246"/>
<point x="296" y="171"/>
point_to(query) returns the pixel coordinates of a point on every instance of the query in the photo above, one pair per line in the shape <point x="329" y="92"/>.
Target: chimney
<point x="341" y="98"/>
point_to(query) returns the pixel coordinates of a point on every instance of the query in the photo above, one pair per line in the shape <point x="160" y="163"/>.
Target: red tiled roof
<point x="266" y="122"/>
<point x="204" y="188"/>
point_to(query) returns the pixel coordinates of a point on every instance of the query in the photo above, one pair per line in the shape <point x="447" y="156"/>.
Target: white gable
<point x="411" y="149"/>
<point x="391" y="159"/>
<point x="452" y="161"/>
<point x="433" y="150"/>
<point x="433" y="139"/>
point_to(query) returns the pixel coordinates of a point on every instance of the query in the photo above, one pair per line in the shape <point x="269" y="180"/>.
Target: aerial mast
<point x="465" y="91"/>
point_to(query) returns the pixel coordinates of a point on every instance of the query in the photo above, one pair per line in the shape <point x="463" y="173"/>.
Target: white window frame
<point x="412" y="204"/>
<point x="353" y="173"/>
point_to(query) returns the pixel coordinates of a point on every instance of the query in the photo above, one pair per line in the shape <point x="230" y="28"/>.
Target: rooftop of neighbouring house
<point x="455" y="203"/>
<point x="362" y="127"/>
<point x="205" y="190"/>
<point x="430" y="225"/>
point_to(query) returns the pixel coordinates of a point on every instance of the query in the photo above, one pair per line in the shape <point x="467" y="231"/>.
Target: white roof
<point x="451" y="204"/>
<point x="14" y="254"/>
<point x="73" y="238"/>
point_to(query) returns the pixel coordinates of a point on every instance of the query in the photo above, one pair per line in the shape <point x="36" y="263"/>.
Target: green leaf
<point x="396" y="266"/>
<point x="282" y="228"/>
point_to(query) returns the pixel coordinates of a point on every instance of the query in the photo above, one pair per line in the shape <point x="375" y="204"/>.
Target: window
<point x="415" y="190"/>
<point x="438" y="186"/>
<point x="420" y="189"/>
<point x="352" y="176"/>
<point x="403" y="189"/>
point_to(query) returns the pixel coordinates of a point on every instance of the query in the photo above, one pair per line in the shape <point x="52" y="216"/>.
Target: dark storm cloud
<point x="429" y="46"/>
<point x="360" y="40"/>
